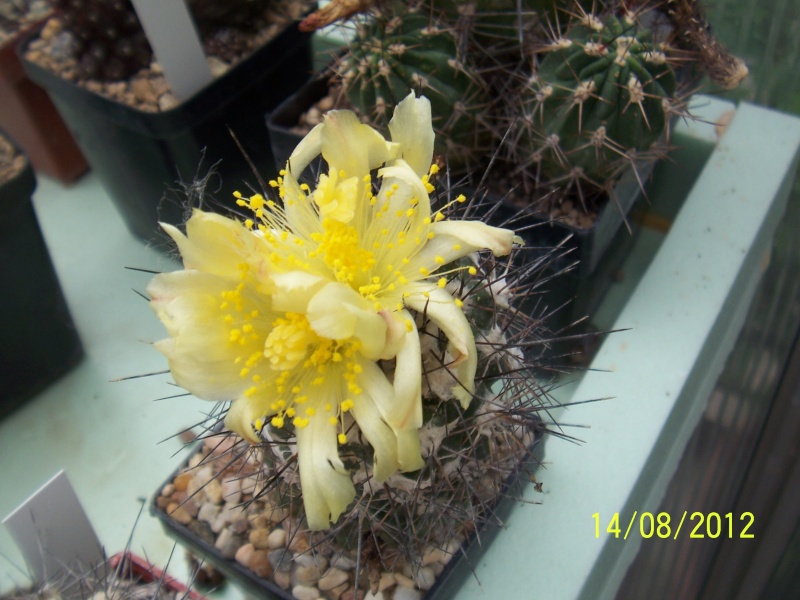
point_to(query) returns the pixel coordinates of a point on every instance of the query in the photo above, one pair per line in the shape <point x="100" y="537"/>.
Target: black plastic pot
<point x="141" y="157"/>
<point x="589" y="259"/>
<point x="282" y="122"/>
<point x="454" y="571"/>
<point x="38" y="340"/>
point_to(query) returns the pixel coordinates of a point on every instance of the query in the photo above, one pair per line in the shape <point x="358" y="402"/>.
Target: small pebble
<point x="281" y="560"/>
<point x="259" y="538"/>
<point x="404" y="581"/>
<point x="337" y="592"/>
<point x="424" y="578"/>
<point x="232" y="490"/>
<point x="260" y="565"/>
<point x="277" y="539"/>
<point x="316" y="561"/>
<point x="304" y="592"/>
<point x="302" y="575"/>
<point x="244" y="554"/>
<point x="404" y="593"/>
<point x="179" y="513"/>
<point x="332" y="578"/>
<point x="283" y="579"/>
<point x="227" y="543"/>
<point x="181" y="482"/>
<point x="434" y="555"/>
<point x="351" y="594"/>
<point x="298" y="543"/>
<point x="343" y="562"/>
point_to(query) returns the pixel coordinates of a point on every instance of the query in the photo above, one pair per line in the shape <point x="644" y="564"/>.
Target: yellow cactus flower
<point x="289" y="312"/>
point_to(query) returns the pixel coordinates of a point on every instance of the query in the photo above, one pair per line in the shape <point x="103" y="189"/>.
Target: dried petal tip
<point x="336" y="10"/>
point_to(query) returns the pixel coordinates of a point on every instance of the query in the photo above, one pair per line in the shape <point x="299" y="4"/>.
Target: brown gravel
<point x="11" y="161"/>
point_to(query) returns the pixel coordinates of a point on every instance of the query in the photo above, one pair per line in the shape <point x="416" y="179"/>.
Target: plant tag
<point x="53" y="531"/>
<point x="170" y="29"/>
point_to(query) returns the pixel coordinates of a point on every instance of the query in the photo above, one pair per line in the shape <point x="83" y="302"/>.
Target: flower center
<point x="340" y="249"/>
<point x="287" y="344"/>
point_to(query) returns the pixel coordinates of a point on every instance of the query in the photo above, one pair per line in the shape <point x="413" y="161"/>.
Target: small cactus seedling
<point x="394" y="53"/>
<point x="600" y="98"/>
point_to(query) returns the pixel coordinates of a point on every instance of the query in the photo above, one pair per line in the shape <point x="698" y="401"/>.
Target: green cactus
<point x="395" y="53"/>
<point x="600" y="97"/>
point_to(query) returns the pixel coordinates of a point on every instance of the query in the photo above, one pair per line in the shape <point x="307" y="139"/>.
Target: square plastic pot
<point x="458" y="567"/>
<point x="38" y="340"/>
<point x="141" y="158"/>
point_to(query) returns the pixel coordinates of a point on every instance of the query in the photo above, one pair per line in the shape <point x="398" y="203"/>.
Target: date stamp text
<point x="697" y="525"/>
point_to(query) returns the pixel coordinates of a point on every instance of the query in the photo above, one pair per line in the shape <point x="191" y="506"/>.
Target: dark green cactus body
<point x="601" y="92"/>
<point x="393" y="55"/>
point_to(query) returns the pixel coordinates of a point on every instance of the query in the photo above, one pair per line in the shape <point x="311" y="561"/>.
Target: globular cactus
<point x="601" y="96"/>
<point x="393" y="53"/>
<point x="471" y="456"/>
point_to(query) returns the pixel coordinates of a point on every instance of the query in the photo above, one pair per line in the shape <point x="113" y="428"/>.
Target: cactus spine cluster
<point x="392" y="54"/>
<point x="599" y="98"/>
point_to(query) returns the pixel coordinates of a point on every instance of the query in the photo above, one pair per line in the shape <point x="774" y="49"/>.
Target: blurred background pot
<point x="38" y="340"/>
<point x="32" y="120"/>
<point x="143" y="158"/>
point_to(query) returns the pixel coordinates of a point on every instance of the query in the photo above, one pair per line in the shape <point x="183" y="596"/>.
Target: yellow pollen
<point x="442" y="282"/>
<point x="472" y="271"/>
<point x="342" y="438"/>
<point x="287" y="344"/>
<point x="277" y="422"/>
<point x="459" y="303"/>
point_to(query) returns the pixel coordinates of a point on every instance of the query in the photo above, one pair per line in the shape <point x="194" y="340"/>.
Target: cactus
<point x="470" y="455"/>
<point x="395" y="53"/>
<point x="601" y="97"/>
<point x="111" y="44"/>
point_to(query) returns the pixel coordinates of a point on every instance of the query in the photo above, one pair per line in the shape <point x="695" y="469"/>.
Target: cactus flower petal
<point x="327" y="488"/>
<point x="441" y="308"/>
<point x="411" y="128"/>
<point x="380" y="436"/>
